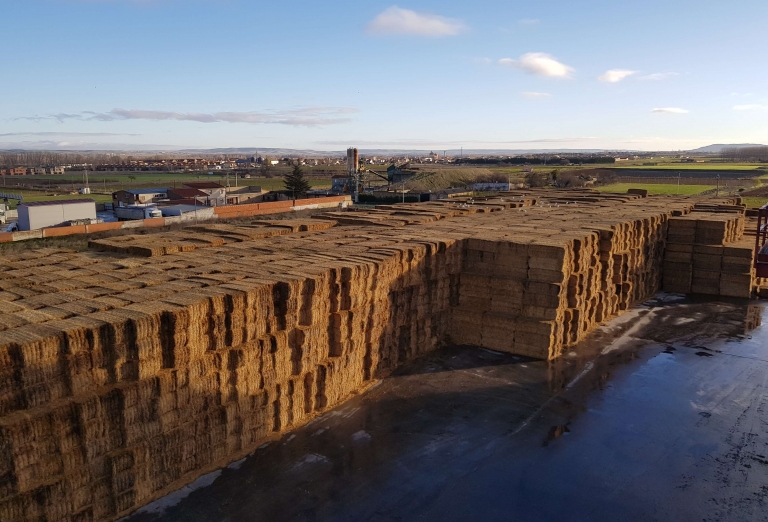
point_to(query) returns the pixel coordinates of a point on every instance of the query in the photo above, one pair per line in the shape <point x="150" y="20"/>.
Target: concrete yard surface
<point x="659" y="415"/>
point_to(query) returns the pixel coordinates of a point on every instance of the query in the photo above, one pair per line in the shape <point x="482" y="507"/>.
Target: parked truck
<point x="137" y="212"/>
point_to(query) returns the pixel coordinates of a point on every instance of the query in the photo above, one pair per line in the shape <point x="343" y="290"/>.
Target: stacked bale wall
<point x="708" y="254"/>
<point x="536" y="296"/>
<point x="105" y="411"/>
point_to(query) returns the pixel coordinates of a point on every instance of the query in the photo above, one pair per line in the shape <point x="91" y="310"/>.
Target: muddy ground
<point x="662" y="415"/>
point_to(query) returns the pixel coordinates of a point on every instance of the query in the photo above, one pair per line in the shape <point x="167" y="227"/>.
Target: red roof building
<point x="186" y="193"/>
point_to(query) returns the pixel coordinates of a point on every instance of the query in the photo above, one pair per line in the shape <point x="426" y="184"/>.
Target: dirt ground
<point x="663" y="417"/>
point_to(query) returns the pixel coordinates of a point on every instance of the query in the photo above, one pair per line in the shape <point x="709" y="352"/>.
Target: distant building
<point x="487" y="187"/>
<point x="399" y="173"/>
<point x="188" y="194"/>
<point x="43" y="214"/>
<point x="341" y="184"/>
<point x="187" y="210"/>
<point x="54" y="170"/>
<point x="245" y="163"/>
<point x="216" y="193"/>
<point x="125" y="198"/>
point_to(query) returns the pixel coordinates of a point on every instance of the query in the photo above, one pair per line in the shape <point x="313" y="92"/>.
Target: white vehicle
<point x="137" y="212"/>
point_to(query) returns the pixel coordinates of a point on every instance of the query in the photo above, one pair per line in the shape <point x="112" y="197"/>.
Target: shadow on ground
<point x="638" y="426"/>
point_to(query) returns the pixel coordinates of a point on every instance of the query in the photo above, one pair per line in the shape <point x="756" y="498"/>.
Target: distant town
<point x="155" y="163"/>
<point x="44" y="190"/>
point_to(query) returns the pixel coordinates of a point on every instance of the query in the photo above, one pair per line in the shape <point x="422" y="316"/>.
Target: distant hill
<point x="718" y="148"/>
<point x="256" y="151"/>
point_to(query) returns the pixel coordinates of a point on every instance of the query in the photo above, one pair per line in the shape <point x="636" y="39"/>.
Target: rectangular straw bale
<point x="736" y="265"/>
<point x="466" y="326"/>
<point x="707" y="262"/>
<point x="736" y="285"/>
<point x="679" y="257"/>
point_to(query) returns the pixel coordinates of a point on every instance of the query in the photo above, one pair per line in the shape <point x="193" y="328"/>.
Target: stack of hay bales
<point x="126" y="376"/>
<point x="125" y="403"/>
<point x="707" y="254"/>
<point x="543" y="289"/>
<point x="203" y="236"/>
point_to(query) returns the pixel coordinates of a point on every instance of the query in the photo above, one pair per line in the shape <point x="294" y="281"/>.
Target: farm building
<point x="42" y="214"/>
<point x="124" y="198"/>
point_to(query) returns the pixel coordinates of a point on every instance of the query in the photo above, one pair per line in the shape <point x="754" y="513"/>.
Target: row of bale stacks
<point x="105" y="410"/>
<point x="564" y="271"/>
<point x="203" y="236"/>
<point x="708" y="254"/>
<point x="513" y="297"/>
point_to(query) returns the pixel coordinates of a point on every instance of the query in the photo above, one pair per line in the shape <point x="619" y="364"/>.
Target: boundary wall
<point x="223" y="212"/>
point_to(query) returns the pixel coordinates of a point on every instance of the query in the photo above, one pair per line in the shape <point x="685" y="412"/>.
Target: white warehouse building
<point x="42" y="214"/>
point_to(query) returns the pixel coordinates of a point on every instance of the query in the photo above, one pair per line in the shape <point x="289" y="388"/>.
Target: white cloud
<point x="753" y="107"/>
<point x="615" y="75"/>
<point x="66" y="134"/>
<point x="396" y="20"/>
<point x="670" y="110"/>
<point x="659" y="76"/>
<point x="423" y="142"/>
<point x="531" y="94"/>
<point x="83" y="145"/>
<point x="540" y="64"/>
<point x="529" y="21"/>
<point x="309" y="116"/>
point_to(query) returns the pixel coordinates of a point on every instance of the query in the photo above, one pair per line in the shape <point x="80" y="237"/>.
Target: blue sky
<point x="131" y="74"/>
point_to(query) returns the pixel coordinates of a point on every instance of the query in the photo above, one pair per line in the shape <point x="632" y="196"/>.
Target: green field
<point x="754" y="202"/>
<point x="277" y="183"/>
<point x="102" y="185"/>
<point x="35" y="195"/>
<point x="688" y="166"/>
<point x="658" y="188"/>
<point x="119" y="180"/>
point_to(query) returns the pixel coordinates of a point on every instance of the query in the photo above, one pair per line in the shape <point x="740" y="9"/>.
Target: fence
<point x="741" y="182"/>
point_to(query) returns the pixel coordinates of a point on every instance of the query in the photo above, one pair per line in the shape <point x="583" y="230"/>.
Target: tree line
<point x="746" y="154"/>
<point x="557" y="160"/>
